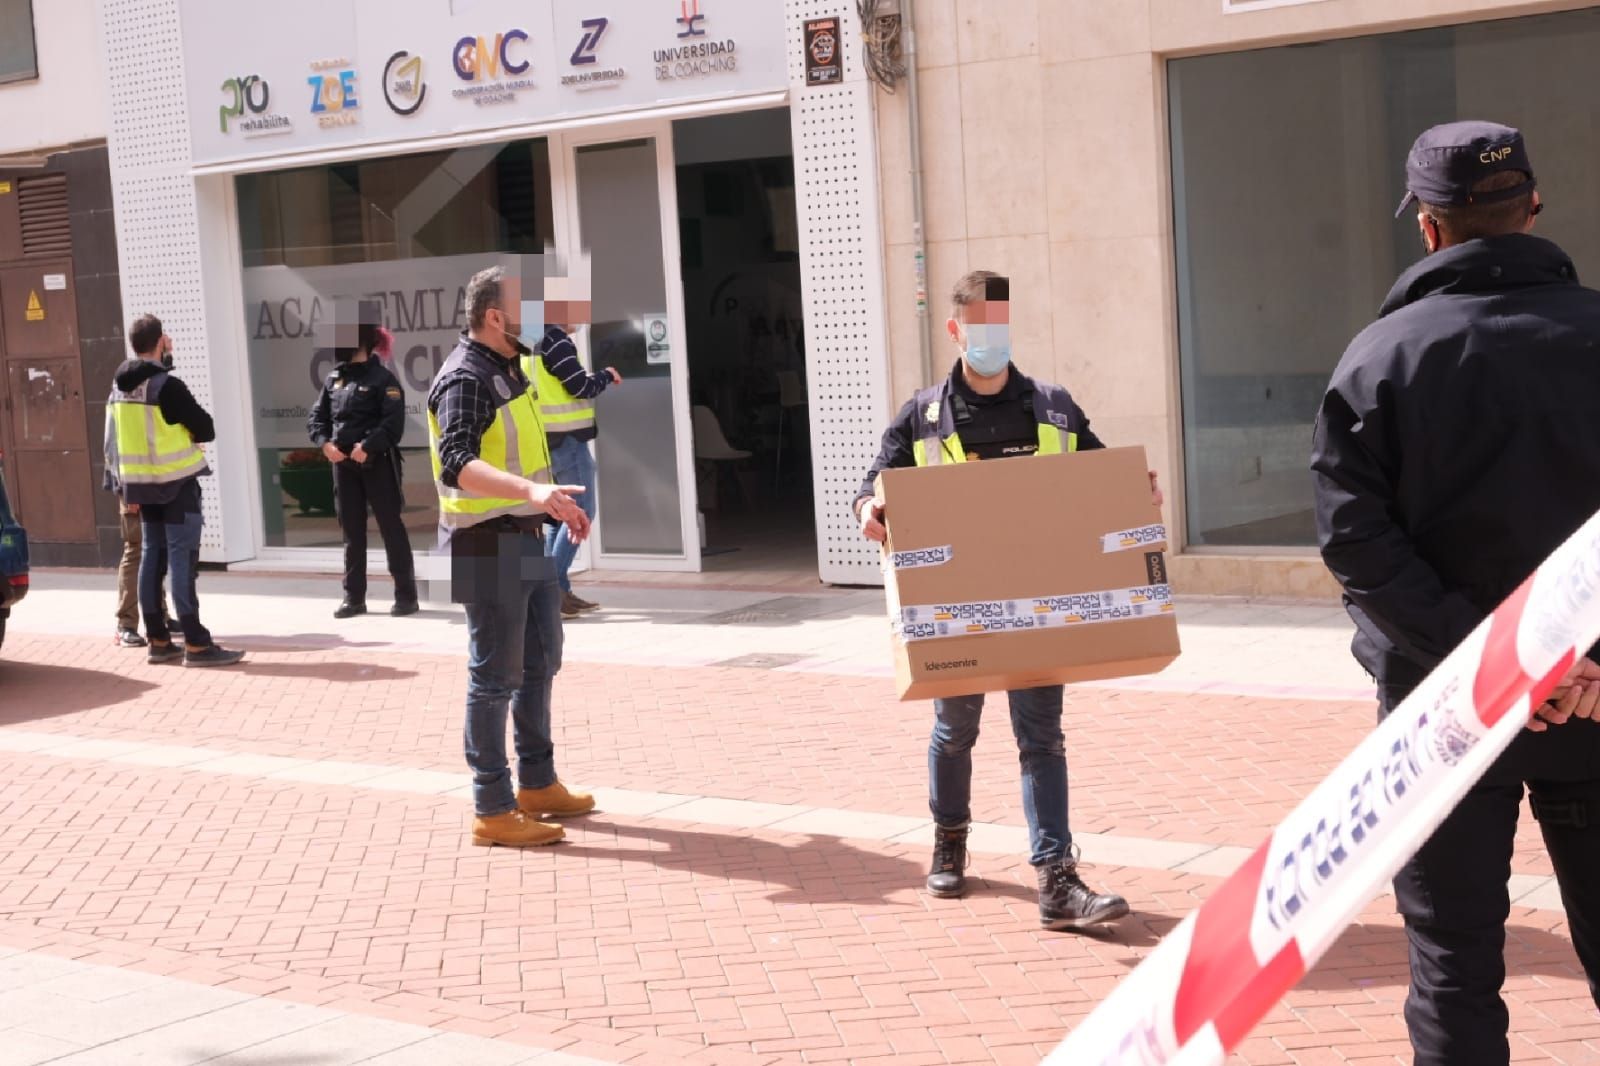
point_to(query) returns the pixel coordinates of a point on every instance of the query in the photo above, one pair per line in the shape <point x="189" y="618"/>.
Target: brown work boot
<point x="553" y="801"/>
<point x="514" y="830"/>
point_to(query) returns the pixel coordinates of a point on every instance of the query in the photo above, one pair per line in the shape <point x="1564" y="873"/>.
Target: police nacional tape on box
<point x="937" y="621"/>
<point x="1129" y="539"/>
<point x="1198" y="995"/>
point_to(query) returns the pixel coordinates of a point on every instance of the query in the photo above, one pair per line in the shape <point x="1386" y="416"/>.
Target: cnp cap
<point x="1447" y="161"/>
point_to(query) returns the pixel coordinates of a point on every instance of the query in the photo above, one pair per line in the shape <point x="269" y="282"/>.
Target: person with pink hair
<point x="358" y="422"/>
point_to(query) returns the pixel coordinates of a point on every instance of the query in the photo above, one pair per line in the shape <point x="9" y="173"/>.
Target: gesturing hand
<point x="557" y="502"/>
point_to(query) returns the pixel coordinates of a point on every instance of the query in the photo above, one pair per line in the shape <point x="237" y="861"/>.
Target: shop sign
<point x="333" y="93"/>
<point x="823" y="63"/>
<point x="404" y="89"/>
<point x="697" y="54"/>
<point x="587" y="72"/>
<point x="422" y="302"/>
<point x="492" y="67"/>
<point x="451" y="68"/>
<point x="246" y="108"/>
<point x="658" y="346"/>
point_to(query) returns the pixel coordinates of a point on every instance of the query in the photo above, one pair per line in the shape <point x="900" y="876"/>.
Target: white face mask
<point x="988" y="350"/>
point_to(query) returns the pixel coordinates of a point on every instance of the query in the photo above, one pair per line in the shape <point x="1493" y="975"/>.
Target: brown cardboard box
<point x="1010" y="574"/>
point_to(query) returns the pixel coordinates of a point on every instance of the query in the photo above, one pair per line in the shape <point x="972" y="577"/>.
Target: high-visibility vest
<point x="938" y="441"/>
<point x="515" y="442"/>
<point x="151" y="452"/>
<point x="561" y="411"/>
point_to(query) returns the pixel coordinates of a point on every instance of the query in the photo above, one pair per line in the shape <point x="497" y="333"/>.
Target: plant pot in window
<point x="307" y="477"/>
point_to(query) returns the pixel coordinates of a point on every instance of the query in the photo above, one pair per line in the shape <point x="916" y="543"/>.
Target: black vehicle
<point x="13" y="558"/>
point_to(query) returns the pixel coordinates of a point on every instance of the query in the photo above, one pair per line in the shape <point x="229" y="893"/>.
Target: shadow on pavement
<point x="820" y="870"/>
<point x="338" y="673"/>
<point x="31" y="692"/>
<point x="300" y="642"/>
<point x="1375" y="956"/>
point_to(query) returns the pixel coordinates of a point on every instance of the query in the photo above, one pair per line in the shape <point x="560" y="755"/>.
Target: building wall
<point x="66" y="104"/>
<point x="1046" y="156"/>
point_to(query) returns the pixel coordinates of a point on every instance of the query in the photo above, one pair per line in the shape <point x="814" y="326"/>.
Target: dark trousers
<point x="1455" y="902"/>
<point x="375" y="485"/>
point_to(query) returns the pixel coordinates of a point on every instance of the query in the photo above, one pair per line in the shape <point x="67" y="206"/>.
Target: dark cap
<point x="1447" y="161"/>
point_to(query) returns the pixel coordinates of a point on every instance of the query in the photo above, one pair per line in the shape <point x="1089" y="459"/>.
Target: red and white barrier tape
<point x="1205" y="986"/>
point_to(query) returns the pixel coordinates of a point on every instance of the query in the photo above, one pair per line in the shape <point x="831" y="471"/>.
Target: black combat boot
<point x="1065" y="902"/>
<point x="948" y="877"/>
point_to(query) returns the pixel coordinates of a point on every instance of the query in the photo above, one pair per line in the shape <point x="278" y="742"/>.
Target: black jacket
<point x="361" y="403"/>
<point x="1012" y="408"/>
<point x="1457" y="445"/>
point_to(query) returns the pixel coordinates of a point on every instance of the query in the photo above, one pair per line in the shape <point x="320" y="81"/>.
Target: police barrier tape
<point x="1202" y="990"/>
<point x="936" y="621"/>
<point x="1129" y="539"/>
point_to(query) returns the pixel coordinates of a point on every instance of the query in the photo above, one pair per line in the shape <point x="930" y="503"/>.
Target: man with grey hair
<point x="491" y="467"/>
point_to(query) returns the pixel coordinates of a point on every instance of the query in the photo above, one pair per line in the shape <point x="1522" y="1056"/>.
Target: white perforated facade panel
<point x="841" y="265"/>
<point x="158" y="229"/>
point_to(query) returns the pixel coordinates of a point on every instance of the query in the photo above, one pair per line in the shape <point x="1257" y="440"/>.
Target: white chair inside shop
<point x="712" y="449"/>
<point x="791" y="394"/>
<point x="709" y="442"/>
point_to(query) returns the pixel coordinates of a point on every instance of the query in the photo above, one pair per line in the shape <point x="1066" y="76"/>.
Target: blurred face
<point x="566" y="303"/>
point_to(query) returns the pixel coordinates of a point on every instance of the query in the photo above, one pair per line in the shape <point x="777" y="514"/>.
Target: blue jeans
<point x="514" y="642"/>
<point x="570" y="464"/>
<point x="172" y="547"/>
<point x="1036" y="721"/>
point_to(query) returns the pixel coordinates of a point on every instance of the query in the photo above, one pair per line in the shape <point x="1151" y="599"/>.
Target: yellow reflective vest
<point x="150" y="451"/>
<point x="561" y="411"/>
<point x="515" y="442"/>
<point x="939" y="441"/>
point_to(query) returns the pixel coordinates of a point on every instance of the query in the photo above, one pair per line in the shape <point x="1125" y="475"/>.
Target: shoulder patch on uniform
<point x="932" y="412"/>
<point x="393" y="392"/>
<point x="502" y="388"/>
<point x="1059" y="419"/>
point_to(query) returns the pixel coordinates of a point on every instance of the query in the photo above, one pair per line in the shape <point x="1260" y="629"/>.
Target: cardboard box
<point x="1016" y="573"/>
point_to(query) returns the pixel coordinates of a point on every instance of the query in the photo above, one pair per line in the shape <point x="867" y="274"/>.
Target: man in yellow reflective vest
<point x="987" y="409"/>
<point x="566" y="392"/>
<point x="491" y="467"/>
<point x="159" y="427"/>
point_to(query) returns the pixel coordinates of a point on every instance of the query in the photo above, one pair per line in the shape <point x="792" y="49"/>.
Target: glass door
<point x="617" y="192"/>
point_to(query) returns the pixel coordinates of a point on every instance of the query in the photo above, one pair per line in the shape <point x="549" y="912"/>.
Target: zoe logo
<point x="333" y="93"/>
<point x="479" y="59"/>
<point x="593" y="30"/>
<point x="248" y="93"/>
<point x="691" y="19"/>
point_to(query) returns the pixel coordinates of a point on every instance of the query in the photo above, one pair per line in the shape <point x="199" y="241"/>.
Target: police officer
<point x="358" y="422"/>
<point x="491" y="467"/>
<point x="987" y="409"/>
<point x="1456" y="447"/>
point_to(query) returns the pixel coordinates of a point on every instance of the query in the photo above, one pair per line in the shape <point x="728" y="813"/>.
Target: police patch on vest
<point x="932" y="414"/>
<point x="502" y="388"/>
<point x="1059" y="420"/>
<point x="922" y="558"/>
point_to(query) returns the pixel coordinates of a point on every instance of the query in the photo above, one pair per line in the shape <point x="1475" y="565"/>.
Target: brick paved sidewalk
<point x="649" y="938"/>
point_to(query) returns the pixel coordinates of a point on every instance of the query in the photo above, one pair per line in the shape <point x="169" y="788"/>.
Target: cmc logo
<point x="249" y="92"/>
<point x="479" y="59"/>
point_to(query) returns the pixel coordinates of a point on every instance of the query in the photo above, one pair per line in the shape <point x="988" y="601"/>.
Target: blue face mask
<point x="988" y="349"/>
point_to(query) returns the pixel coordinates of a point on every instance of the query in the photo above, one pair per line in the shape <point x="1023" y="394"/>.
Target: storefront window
<point x="405" y="232"/>
<point x="1287" y="167"/>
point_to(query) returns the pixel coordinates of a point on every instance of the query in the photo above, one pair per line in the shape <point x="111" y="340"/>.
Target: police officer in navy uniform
<point x="986" y="409"/>
<point x="358" y="422"/>
<point x="1457" y="446"/>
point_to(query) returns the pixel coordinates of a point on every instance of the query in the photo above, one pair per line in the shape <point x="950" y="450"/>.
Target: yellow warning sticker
<point x="5" y="188"/>
<point x="35" y="308"/>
